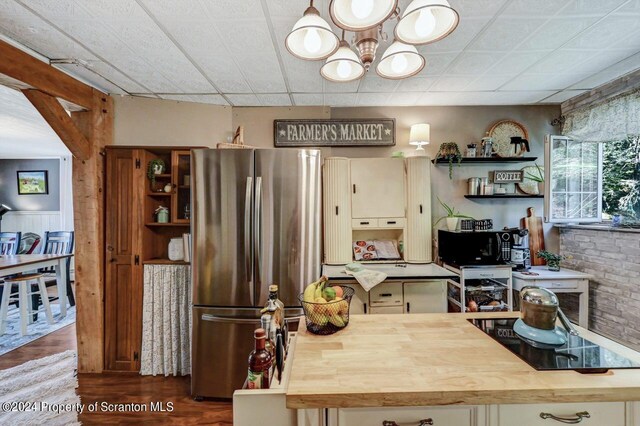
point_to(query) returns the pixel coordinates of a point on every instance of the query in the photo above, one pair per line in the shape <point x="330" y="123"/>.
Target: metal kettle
<point x="540" y="308"/>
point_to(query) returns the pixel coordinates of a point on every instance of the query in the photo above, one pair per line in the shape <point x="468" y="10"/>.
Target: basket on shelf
<point x="327" y="318"/>
<point x="483" y="298"/>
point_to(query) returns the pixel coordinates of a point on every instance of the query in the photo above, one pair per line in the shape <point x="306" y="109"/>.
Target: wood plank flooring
<point x="126" y="389"/>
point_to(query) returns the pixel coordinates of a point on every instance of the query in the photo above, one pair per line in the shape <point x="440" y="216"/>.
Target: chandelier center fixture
<point x="422" y="22"/>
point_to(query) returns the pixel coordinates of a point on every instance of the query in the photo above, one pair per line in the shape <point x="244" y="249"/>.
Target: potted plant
<point x="450" y="151"/>
<point x="155" y="167"/>
<point x="553" y="260"/>
<point x="451" y="217"/>
<point x="537" y="176"/>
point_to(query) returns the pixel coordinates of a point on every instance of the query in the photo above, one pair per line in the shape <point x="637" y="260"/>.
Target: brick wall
<point x="613" y="257"/>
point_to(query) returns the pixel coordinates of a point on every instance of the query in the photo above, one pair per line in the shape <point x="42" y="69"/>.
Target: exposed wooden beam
<point x="21" y="66"/>
<point x="61" y="123"/>
<point x="626" y="83"/>
<point x="88" y="206"/>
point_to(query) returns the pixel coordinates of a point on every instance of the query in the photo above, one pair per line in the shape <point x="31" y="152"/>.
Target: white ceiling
<point x="23" y="131"/>
<point x="231" y="52"/>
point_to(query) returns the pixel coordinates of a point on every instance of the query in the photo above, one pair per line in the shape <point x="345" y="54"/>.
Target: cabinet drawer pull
<point x="423" y="422"/>
<point x="364" y="223"/>
<point x="386" y="294"/>
<point x="336" y="210"/>
<point x="567" y="420"/>
<point x="391" y="222"/>
<point x="420" y="208"/>
<point x="354" y="188"/>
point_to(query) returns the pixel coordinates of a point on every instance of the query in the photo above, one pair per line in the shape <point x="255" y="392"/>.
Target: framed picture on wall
<point x="33" y="182"/>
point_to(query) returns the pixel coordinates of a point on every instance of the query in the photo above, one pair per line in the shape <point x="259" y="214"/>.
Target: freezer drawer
<point x="222" y="341"/>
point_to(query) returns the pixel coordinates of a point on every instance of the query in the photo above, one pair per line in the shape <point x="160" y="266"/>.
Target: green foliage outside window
<point x="621" y="179"/>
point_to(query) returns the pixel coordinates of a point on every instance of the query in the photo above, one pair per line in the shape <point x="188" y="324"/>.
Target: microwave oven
<point x="474" y="248"/>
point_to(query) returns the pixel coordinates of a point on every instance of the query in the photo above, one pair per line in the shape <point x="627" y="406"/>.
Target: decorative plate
<point x="502" y="132"/>
<point x="528" y="185"/>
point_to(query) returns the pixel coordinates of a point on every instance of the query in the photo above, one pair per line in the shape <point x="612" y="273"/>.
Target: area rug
<point x="42" y="391"/>
<point x="12" y="338"/>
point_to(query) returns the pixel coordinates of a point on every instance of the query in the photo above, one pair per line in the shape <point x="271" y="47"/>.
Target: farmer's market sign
<point x="310" y="133"/>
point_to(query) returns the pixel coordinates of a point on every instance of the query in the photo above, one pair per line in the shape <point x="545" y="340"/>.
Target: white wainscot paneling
<point x="31" y="221"/>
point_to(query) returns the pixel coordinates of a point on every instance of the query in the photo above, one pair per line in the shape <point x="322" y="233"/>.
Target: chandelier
<point x="423" y="22"/>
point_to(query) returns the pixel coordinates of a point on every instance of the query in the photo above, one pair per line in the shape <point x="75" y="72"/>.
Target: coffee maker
<point x="520" y="253"/>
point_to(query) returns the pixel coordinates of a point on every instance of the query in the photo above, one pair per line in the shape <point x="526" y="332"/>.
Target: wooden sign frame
<point x="334" y="132"/>
<point x="507" y="176"/>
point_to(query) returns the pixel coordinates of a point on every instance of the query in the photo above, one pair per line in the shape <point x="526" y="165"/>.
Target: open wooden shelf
<point x="163" y="175"/>
<point x="484" y="160"/>
<point x="494" y="196"/>
<point x="156" y="224"/>
<point x="164" y="262"/>
<point x="159" y="194"/>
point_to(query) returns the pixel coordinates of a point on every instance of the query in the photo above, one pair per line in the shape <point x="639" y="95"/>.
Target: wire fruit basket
<point x="328" y="318"/>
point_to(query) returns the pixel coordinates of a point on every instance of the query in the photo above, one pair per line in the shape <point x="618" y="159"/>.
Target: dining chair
<point x="9" y="243"/>
<point x="56" y="242"/>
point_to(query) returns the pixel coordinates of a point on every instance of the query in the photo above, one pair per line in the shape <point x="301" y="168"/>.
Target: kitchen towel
<point x="367" y="278"/>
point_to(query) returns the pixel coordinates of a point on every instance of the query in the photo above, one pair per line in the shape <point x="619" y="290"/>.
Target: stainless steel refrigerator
<point x="255" y="222"/>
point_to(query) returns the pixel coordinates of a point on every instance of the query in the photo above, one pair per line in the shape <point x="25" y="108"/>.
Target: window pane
<point x="590" y="204"/>
<point x="559" y="205"/>
<point x="574" y="206"/>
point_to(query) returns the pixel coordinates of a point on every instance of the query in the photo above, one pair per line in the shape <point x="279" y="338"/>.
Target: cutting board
<point x="536" y="235"/>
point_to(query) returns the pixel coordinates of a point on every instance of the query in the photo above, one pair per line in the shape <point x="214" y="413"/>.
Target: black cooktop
<point x="577" y="354"/>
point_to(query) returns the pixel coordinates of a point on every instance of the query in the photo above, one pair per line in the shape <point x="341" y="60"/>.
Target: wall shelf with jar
<point x="485" y="160"/>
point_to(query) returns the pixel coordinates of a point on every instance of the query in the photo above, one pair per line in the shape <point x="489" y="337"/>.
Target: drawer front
<point x="480" y="273"/>
<point x="364" y="223"/>
<point x="601" y="413"/>
<point x="386" y="294"/>
<point x="386" y="310"/>
<point x="558" y="284"/>
<point x="393" y="222"/>
<point x="440" y="416"/>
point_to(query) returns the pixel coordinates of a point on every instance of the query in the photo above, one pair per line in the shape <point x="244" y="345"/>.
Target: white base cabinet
<point x="425" y="297"/>
<point x="360" y="300"/>
<point x="410" y="416"/>
<point x="587" y="413"/>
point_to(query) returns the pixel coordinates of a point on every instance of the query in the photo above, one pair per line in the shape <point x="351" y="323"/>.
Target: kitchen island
<point x="442" y="367"/>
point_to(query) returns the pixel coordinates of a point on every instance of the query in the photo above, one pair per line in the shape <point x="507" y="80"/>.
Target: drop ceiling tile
<point x="307" y="99"/>
<point x="561" y="61"/>
<point x="230" y="9"/>
<point x="221" y="70"/>
<point x="373" y="83"/>
<point x="469" y="9"/>
<point x="473" y="63"/>
<point x="436" y="98"/>
<point x="603" y="60"/>
<point x="341" y="99"/>
<point x="91" y="77"/>
<point x="560" y="97"/>
<point x="437" y="63"/>
<point x="303" y="76"/>
<point x="631" y="8"/>
<point x="372" y="99"/>
<point x="553" y="82"/>
<point x="285" y="8"/>
<point x="488" y="82"/>
<point x="517" y="62"/>
<point x="114" y="10"/>
<point x="262" y="72"/>
<point x="606" y="33"/>
<point x="191" y="10"/>
<point x="63" y="9"/>
<point x="415" y="84"/>
<point x="590" y="7"/>
<point x="525" y="8"/>
<point x="451" y="84"/>
<point x="501" y="98"/>
<point x="506" y="33"/>
<point x="349" y="87"/>
<point x="467" y="29"/>
<point x="212" y="99"/>
<point x="244" y="100"/>
<point x="557" y="31"/>
<point x="403" y="99"/>
<point x="246" y="36"/>
<point x="621" y="68"/>
<point x="274" y="99"/>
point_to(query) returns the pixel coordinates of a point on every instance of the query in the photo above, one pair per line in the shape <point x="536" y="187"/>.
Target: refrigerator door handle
<point x="247" y="234"/>
<point x="215" y="318"/>
<point x="257" y="234"/>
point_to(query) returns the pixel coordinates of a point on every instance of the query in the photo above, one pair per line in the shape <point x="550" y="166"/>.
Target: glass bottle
<point x="265" y="322"/>
<point x="279" y="316"/>
<point x="260" y="362"/>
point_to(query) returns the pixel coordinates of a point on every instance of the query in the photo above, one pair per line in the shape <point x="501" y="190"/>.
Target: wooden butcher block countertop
<point x="436" y="359"/>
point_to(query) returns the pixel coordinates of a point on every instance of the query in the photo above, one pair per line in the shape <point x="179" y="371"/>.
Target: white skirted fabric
<point x="45" y="388"/>
<point x="166" y="320"/>
<point x="612" y="120"/>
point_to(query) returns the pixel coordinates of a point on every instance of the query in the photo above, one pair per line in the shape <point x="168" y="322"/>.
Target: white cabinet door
<point x="600" y="414"/>
<point x="425" y="297"/>
<point x="417" y="240"/>
<point x="359" y="301"/>
<point x="337" y="211"/>
<point x="377" y="187"/>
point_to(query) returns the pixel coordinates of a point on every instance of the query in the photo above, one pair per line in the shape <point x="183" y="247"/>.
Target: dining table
<point x="20" y="263"/>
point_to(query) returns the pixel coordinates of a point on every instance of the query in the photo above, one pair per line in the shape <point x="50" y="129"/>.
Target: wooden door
<point x="425" y="297"/>
<point x="180" y="177"/>
<point x="123" y="281"/>
<point x="337" y="211"/>
<point x="377" y="187"/>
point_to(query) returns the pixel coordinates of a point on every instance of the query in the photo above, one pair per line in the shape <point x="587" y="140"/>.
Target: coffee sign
<point x="311" y="133"/>
<point x="507" y="176"/>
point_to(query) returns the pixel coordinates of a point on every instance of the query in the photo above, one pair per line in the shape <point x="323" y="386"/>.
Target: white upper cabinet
<point x="337" y="211"/>
<point x="377" y="188"/>
<point x="418" y="237"/>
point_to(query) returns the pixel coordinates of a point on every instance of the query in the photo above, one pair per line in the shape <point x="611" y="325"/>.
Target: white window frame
<point x="548" y="183"/>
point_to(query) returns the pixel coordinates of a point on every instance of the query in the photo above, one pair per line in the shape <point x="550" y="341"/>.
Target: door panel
<point x="287" y="222"/>
<point x="377" y="187"/>
<point x="123" y="283"/>
<point x="222" y="342"/>
<point x="221" y="227"/>
<point x="425" y="297"/>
